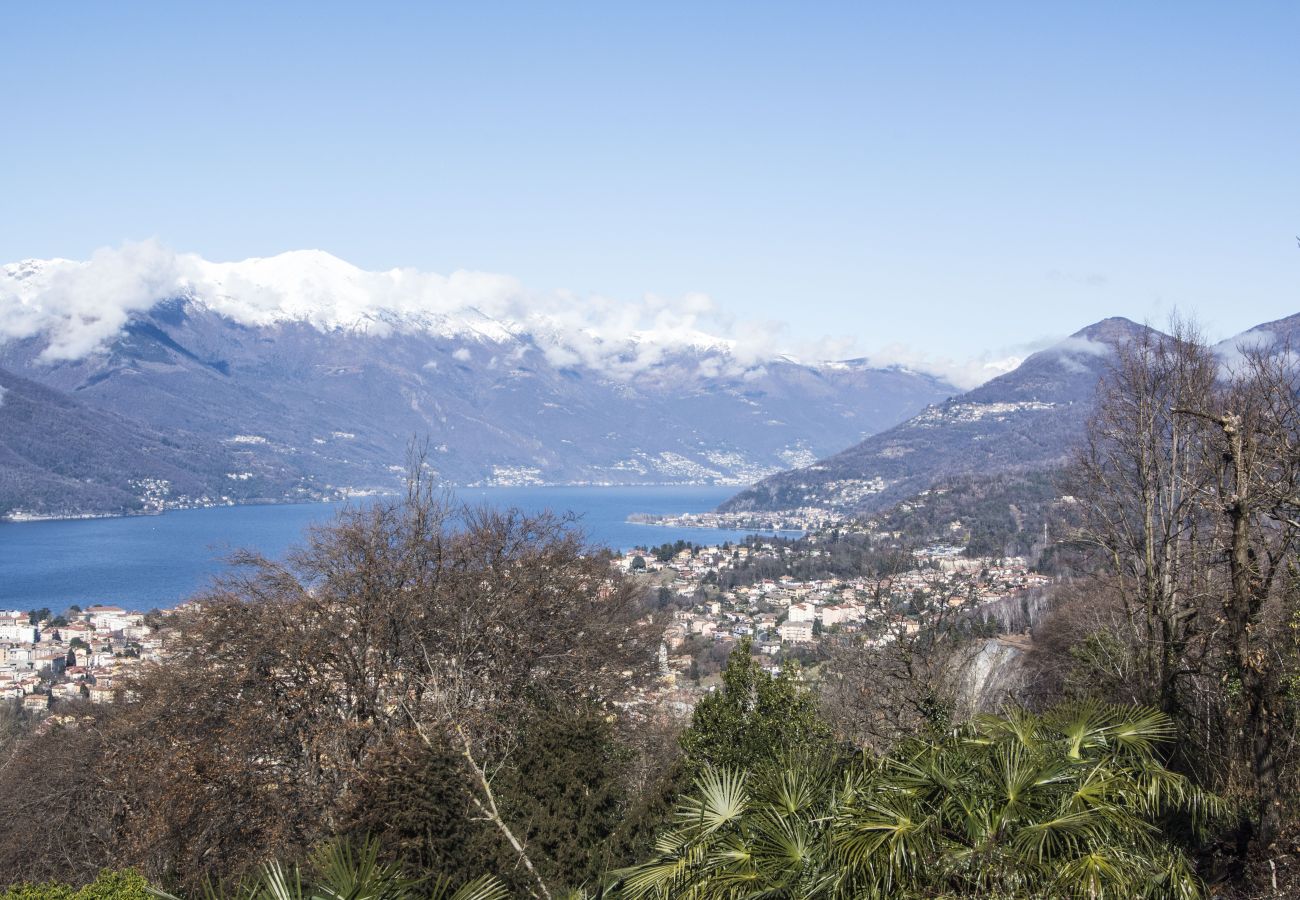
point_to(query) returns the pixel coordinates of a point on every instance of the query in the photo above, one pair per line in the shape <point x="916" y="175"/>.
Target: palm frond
<point x="341" y="871"/>
<point x="485" y="888"/>
<point x="1066" y="804"/>
<point x="721" y="797"/>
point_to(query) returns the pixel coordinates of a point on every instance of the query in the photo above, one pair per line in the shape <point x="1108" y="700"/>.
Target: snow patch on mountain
<point x="80" y="306"/>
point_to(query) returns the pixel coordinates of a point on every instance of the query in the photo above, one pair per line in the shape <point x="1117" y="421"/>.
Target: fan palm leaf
<point x="1066" y="804"/>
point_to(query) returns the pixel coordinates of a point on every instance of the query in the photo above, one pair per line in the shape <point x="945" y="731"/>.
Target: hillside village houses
<point x="783" y="614"/>
<point x="82" y="655"/>
<point x="85" y="654"/>
<point x="795" y="632"/>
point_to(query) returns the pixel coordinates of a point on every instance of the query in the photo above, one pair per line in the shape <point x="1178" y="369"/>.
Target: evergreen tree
<point x="754" y="718"/>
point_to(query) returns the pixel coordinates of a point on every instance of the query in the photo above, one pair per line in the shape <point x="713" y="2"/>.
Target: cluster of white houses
<point x="783" y="613"/>
<point x="82" y="655"/>
<point x="85" y="654"/>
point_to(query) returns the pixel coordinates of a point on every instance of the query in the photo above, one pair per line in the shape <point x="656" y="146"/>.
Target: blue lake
<point x="144" y="561"/>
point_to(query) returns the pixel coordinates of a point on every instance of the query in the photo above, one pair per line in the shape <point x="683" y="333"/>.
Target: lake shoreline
<point x="145" y="560"/>
<point x="19" y="517"/>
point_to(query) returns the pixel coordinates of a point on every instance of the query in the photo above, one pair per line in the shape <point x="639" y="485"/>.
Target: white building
<point x="704" y="627"/>
<point x="14" y="626"/>
<point x="111" y="618"/>
<point x="802" y="612"/>
<point x="841" y="613"/>
<point x="795" y="632"/>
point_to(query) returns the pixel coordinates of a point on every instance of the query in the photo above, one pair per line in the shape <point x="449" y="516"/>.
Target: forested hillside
<point x="59" y="456"/>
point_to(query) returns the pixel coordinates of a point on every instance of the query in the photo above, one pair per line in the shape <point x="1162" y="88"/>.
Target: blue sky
<point x="950" y="178"/>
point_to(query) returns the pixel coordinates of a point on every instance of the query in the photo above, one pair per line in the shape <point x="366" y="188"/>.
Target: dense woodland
<point x="428" y="702"/>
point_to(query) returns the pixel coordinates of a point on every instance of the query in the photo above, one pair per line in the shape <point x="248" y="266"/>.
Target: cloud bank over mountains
<point x="80" y="306"/>
<point x="964" y="373"/>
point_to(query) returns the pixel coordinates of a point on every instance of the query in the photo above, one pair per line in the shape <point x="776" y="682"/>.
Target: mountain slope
<point x="343" y="404"/>
<point x="1027" y="419"/>
<point x="1275" y="334"/>
<point x="59" y="456"/>
<point x="310" y="366"/>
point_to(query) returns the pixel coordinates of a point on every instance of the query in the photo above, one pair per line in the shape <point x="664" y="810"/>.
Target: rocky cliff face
<point x="987" y="674"/>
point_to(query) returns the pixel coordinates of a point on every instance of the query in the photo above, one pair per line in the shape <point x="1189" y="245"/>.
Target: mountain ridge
<point x="1026" y="419"/>
<point x="334" y="408"/>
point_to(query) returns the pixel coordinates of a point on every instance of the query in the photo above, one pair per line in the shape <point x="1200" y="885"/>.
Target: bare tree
<point x="1254" y="490"/>
<point x="286" y="679"/>
<point x="1191" y="485"/>
<point x="897" y="677"/>
<point x="1141" y="479"/>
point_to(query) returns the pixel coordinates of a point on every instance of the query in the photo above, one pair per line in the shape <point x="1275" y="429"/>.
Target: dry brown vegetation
<point x="402" y="633"/>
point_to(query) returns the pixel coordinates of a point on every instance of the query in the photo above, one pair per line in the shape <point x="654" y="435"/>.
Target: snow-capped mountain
<point x="82" y="305"/>
<point x="308" y="367"/>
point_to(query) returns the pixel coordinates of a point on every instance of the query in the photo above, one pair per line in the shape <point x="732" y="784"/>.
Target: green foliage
<point x="563" y="795"/>
<point x="665" y="552"/>
<point x="753" y="719"/>
<point x="110" y="885"/>
<point x="415" y="801"/>
<point x="653" y="806"/>
<point x="50" y="890"/>
<point x="1100" y="662"/>
<point x="1066" y="804"/>
<point x="342" y="871"/>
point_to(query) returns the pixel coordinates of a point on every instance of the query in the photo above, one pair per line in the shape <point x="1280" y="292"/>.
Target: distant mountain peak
<point x="313" y="287"/>
<point x="1113" y="330"/>
<point x="1026" y="419"/>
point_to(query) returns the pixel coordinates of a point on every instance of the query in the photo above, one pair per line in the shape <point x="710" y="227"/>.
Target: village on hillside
<point x="709" y="598"/>
<point x="714" y="605"/>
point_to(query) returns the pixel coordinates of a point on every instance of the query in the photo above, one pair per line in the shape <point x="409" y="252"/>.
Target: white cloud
<point x="1083" y="346"/>
<point x="80" y="306"/>
<point x="1234" y="353"/>
<point x="1069" y="351"/>
<point x="963" y="373"/>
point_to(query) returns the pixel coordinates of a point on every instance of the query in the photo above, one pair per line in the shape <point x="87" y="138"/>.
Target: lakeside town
<point x="717" y="600"/>
<point x="83" y="654"/>
<point x="710" y="596"/>
<point x="803" y="519"/>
